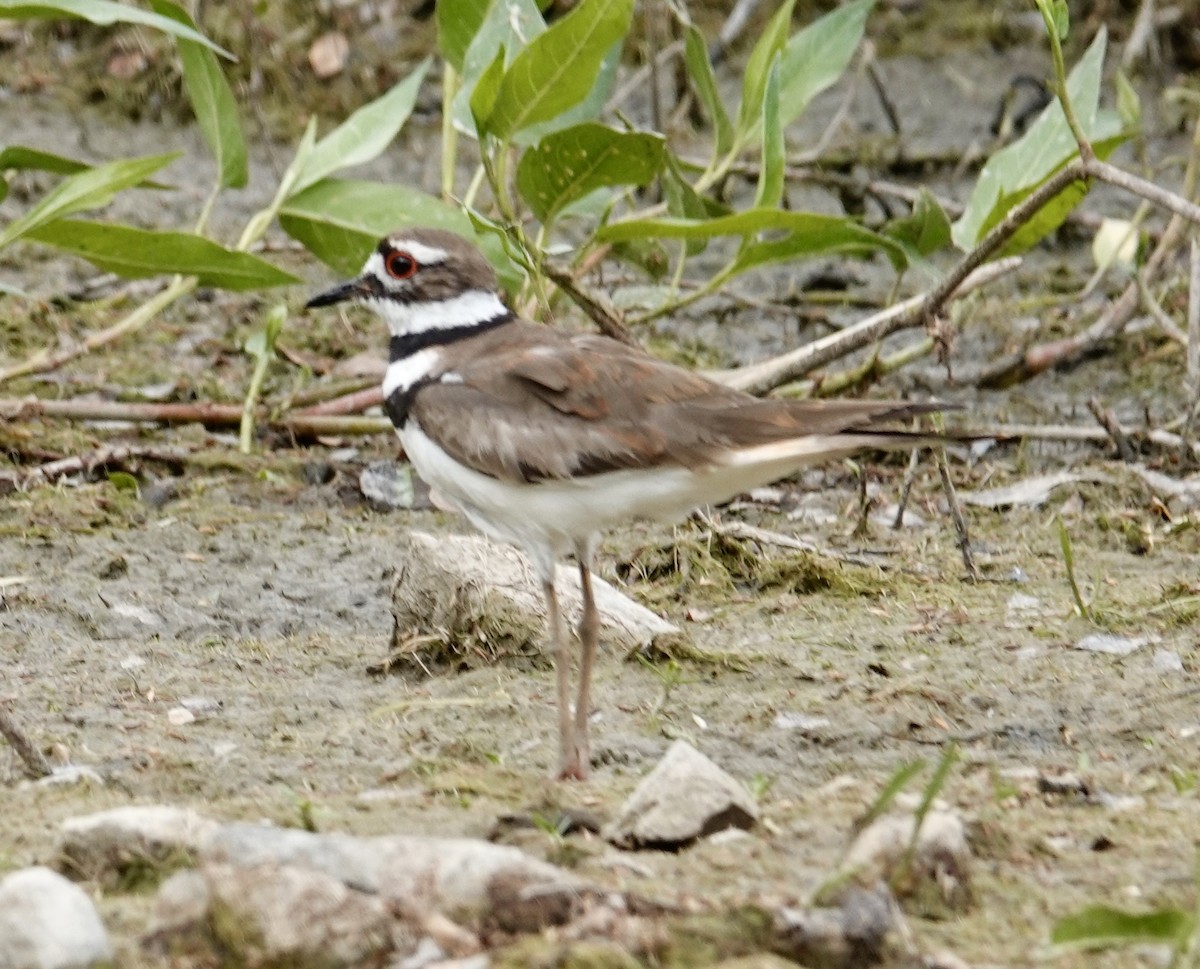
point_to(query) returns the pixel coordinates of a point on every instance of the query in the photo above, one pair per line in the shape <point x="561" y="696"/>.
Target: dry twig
<point x="36" y="765"/>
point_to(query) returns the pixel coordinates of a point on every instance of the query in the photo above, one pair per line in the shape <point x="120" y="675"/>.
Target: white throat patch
<point x="406" y="372"/>
<point x="467" y="309"/>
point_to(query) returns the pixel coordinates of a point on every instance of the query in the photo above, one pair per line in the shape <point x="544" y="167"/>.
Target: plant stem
<point x="450" y="86"/>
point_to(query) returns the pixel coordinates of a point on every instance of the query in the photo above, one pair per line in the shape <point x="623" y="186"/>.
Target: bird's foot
<point x="575" y="763"/>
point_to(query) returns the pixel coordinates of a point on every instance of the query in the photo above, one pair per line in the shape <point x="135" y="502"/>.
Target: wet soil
<point x="263" y="587"/>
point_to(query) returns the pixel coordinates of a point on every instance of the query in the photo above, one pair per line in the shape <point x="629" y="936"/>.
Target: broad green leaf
<point x="646" y="254"/>
<point x="1051" y="215"/>
<point x="340" y="222"/>
<point x="754" y="80"/>
<point x="567" y="165"/>
<point x="559" y="67"/>
<point x="1017" y="169"/>
<point x="457" y="25"/>
<point x="770" y="175"/>
<point x="508" y="25"/>
<point x="808" y="234"/>
<point x="483" y="97"/>
<point x="212" y="101"/>
<point x="134" y="253"/>
<point x="925" y="229"/>
<point x="704" y="83"/>
<point x="589" y="109"/>
<point x="365" y="134"/>
<point x="1100" y="925"/>
<point x="90" y="189"/>
<point x="816" y="56"/>
<point x="104" y="13"/>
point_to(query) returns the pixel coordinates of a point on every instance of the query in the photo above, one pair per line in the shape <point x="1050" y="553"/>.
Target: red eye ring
<point x="400" y="264"/>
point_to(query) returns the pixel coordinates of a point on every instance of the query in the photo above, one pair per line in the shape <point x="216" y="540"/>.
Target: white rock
<point x="1114" y="645"/>
<point x="685" y="797"/>
<point x="47" y="922"/>
<point x="108" y="842"/>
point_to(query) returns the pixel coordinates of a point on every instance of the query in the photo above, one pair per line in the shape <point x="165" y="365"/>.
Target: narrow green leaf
<point x="483" y="97"/>
<point x="6" y="290"/>
<point x="90" y="189"/>
<point x="754" y="80"/>
<point x="558" y="68"/>
<point x="704" y="83"/>
<point x="365" y="134"/>
<point x="808" y="234"/>
<point x="340" y="222"/>
<point x="568" y="165"/>
<point x="925" y="229"/>
<point x="457" y="25"/>
<point x="1100" y="925"/>
<point x="900" y="779"/>
<point x="34" y="160"/>
<point x="1129" y="105"/>
<point x="1017" y="169"/>
<point x="1062" y="18"/>
<point x="817" y="55"/>
<point x="770" y="176"/>
<point x="21" y="158"/>
<point x="104" y="13"/>
<point x="212" y="101"/>
<point x="134" y="253"/>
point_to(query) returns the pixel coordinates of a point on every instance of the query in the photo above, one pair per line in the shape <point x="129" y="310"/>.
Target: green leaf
<point x="507" y="26"/>
<point x="704" y="83"/>
<point x="1062" y="18"/>
<point x="817" y="55"/>
<point x="1100" y="925"/>
<point x="483" y="97"/>
<point x="340" y="222"/>
<point x="212" y="100"/>
<point x="770" y="176"/>
<point x="104" y="13"/>
<point x="1129" y="105"/>
<point x="1051" y="215"/>
<point x="365" y="134"/>
<point x="808" y="234"/>
<point x="1017" y="169"/>
<point x="457" y="25"/>
<point x="135" y="253"/>
<point x="925" y="229"/>
<point x="559" y="67"/>
<point x="90" y="189"/>
<point x="34" y="160"/>
<point x="589" y="109"/>
<point x="568" y="165"/>
<point x="754" y="81"/>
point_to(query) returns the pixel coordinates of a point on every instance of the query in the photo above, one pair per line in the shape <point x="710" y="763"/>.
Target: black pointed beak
<point x="354" y="289"/>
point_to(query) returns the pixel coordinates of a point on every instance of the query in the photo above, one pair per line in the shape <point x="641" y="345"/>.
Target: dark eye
<point x="399" y="264"/>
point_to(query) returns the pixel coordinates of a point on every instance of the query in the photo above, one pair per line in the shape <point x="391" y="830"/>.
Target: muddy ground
<point x="263" y="586"/>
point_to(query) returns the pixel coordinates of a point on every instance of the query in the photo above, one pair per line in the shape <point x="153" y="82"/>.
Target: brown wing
<point x="530" y="403"/>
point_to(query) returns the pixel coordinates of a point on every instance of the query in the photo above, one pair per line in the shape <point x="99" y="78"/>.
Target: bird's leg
<point x="589" y="634"/>
<point x="562" y="672"/>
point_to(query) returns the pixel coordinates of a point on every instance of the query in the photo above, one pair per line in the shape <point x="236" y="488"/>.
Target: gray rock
<point x="864" y="927"/>
<point x="1113" y="644"/>
<point x="108" y="844"/>
<point x="685" y="797"/>
<point x="179" y="920"/>
<point x="450" y="875"/>
<point x="387" y="485"/>
<point x="273" y="915"/>
<point x="47" y="922"/>
<point x="933" y="875"/>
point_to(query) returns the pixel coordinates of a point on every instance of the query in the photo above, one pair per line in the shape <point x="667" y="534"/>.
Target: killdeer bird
<point x="545" y="439"/>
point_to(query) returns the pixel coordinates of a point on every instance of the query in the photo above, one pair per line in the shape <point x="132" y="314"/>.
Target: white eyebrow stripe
<point x="423" y="254"/>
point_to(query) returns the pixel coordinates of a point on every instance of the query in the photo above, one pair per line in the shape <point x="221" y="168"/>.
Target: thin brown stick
<point x="1193" y="343"/>
<point x="209" y="414"/>
<point x="758" y="378"/>
<point x="353" y="403"/>
<point x="36" y="765"/>
<point x="1112" y="427"/>
<point x="594" y="305"/>
<point x="956" y="515"/>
